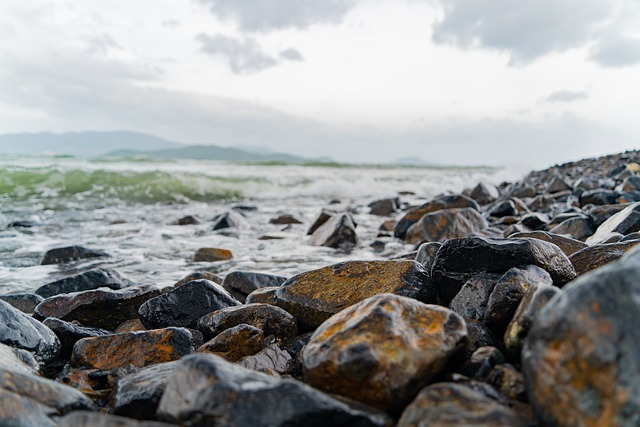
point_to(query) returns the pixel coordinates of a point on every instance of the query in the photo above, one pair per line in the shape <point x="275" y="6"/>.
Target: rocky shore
<point x="520" y="306"/>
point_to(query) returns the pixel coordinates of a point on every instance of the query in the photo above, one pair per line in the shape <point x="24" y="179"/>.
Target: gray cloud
<point x="244" y="56"/>
<point x="102" y="43"/>
<point x="567" y="96"/>
<point x="267" y="15"/>
<point x="291" y="54"/>
<point x="617" y="52"/>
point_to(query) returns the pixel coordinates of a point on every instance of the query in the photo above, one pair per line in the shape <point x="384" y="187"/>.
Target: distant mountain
<point x="80" y="144"/>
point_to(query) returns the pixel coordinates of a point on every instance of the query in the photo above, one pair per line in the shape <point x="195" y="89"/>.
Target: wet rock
<point x="69" y="333"/>
<point x="285" y="220"/>
<point x="599" y="214"/>
<point x="444" y="202"/>
<point x="229" y="219"/>
<point x="241" y="283"/>
<point x="484" y="193"/>
<point x="269" y="359"/>
<point x="384" y="207"/>
<point x="579" y="228"/>
<point x="427" y="254"/>
<point x="382" y="350"/>
<point x="69" y="254"/>
<point x="479" y="335"/>
<point x="20" y="411"/>
<point x="183" y="306"/>
<point x="598" y="197"/>
<point x="624" y="222"/>
<point x="187" y="220"/>
<point x="270" y="319"/>
<point x="235" y="343"/>
<point x="460" y="259"/>
<point x="138" y="395"/>
<point x="596" y="256"/>
<point x="133" y="325"/>
<point x="26" y="303"/>
<point x="135" y="348"/>
<point x="450" y="404"/>
<point x="482" y="362"/>
<point x="338" y="231"/>
<point x="89" y="280"/>
<point x="314" y="296"/>
<point x="568" y="245"/>
<point x="471" y="302"/>
<point x="263" y="296"/>
<point x="535" y="298"/>
<point x="208" y="390"/>
<point x="199" y="275"/>
<point x="503" y="208"/>
<point x="508" y="381"/>
<point x="99" y="308"/>
<point x="535" y="220"/>
<point x="445" y="224"/>
<point x="323" y="217"/>
<point x="556" y="185"/>
<point x="19" y="330"/>
<point x="580" y="359"/>
<point x="212" y="255"/>
<point x="96" y="419"/>
<point x="17" y="360"/>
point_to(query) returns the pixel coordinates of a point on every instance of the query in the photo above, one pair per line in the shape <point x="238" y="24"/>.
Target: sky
<point x="531" y="82"/>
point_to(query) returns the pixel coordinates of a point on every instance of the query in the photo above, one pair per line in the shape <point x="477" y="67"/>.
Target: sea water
<point x="128" y="209"/>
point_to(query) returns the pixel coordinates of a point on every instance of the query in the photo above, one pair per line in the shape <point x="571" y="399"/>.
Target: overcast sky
<point x="450" y="81"/>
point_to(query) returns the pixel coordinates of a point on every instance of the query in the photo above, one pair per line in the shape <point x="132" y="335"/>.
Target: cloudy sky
<point x="450" y="81"/>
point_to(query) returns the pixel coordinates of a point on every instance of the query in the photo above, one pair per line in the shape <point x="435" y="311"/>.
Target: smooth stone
<point x="339" y="231"/>
<point x="26" y="303"/>
<point x="184" y="305"/>
<point x="471" y="302"/>
<point x="89" y="280"/>
<point x="235" y="343"/>
<point x="445" y="224"/>
<point x="630" y="236"/>
<point x="427" y="254"/>
<point x="96" y="419"/>
<point x="212" y="255"/>
<point x="624" y="222"/>
<point x="630" y="183"/>
<point x="263" y="296"/>
<point x="241" y="283"/>
<point x="69" y="333"/>
<point x="384" y="207"/>
<point x="568" y="245"/>
<point x="599" y="214"/>
<point x="270" y="319"/>
<point x="69" y="254"/>
<point x="17" y="360"/>
<point x="578" y="228"/>
<point x="314" y="296"/>
<point x="383" y="350"/>
<point x="586" y="184"/>
<point x="596" y="256"/>
<point x="135" y="348"/>
<point x="208" y="390"/>
<point x="484" y="193"/>
<point x="269" y="359"/>
<point x="198" y="275"/>
<point x="100" y="308"/>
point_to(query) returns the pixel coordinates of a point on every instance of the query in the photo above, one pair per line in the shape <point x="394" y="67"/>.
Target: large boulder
<point x="383" y="350"/>
<point x="445" y="224"/>
<point x="314" y="296"/>
<point x="92" y="279"/>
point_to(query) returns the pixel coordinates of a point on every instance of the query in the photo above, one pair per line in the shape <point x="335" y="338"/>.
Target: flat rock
<point x="17" y="360"/>
<point x="235" y="343"/>
<point x="86" y="281"/>
<point x="96" y="419"/>
<point x="339" y="231"/>
<point x="212" y="255"/>
<point x="135" y="348"/>
<point x="596" y="256"/>
<point x="184" y="305"/>
<point x="100" y="308"/>
<point x="383" y="350"/>
<point x="69" y="333"/>
<point x="270" y="319"/>
<point x="208" y="390"/>
<point x="26" y="303"/>
<point x="241" y="283"/>
<point x="581" y="358"/>
<point x="314" y="296"/>
<point x="568" y="245"/>
<point x="69" y="254"/>
<point x="624" y="222"/>
<point x="445" y="224"/>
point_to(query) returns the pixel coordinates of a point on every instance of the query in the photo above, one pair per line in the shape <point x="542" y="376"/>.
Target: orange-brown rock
<point x="568" y="245"/>
<point x="314" y="296"/>
<point x="445" y="202"/>
<point x="598" y="255"/>
<point x="212" y="254"/>
<point x="383" y="350"/>
<point x="135" y="348"/>
<point x="445" y="224"/>
<point x="133" y="325"/>
<point x="235" y="343"/>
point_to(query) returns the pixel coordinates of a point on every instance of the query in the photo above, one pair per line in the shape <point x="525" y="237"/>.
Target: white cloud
<point x="244" y="56"/>
<point x="567" y="96"/>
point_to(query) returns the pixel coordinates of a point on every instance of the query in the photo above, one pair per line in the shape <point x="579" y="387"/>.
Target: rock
<point x="581" y="358"/>
<point x="133" y="325"/>
<point x="427" y="254"/>
<point x="479" y="335"/>
<point x="535" y="220"/>
<point x="135" y="348"/>
<point x="382" y="350"/>
<point x="89" y="280"/>
<point x="482" y="362"/>
<point x="568" y="245"/>
<point x="471" y="301"/>
<point x="599" y="214"/>
<point x="450" y="404"/>
<point x="229" y="219"/>
<point x="96" y="419"/>
<point x="503" y="208"/>
<point x="630" y="236"/>
<point x="579" y="228"/>
<point x="69" y="254"/>
<point x="630" y="183"/>
<point x="19" y="330"/>
<point x="314" y="296"/>
<point x="186" y="220"/>
<point x="624" y="222"/>
<point x="270" y="319"/>
<point x="138" y="395"/>
<point x="285" y="220"/>
<point x="69" y="333"/>
<point x="484" y="193"/>
<point x="508" y="381"/>
<point x="323" y="217"/>
<point x="384" y="207"/>
<point x="444" y="202"/>
<point x="596" y="256"/>
<point x="535" y="298"/>
<point x="460" y="259"/>
<point x="241" y="283"/>
<point x="26" y="303"/>
<point x="183" y="306"/>
<point x="99" y="308"/>
<point x="199" y="275"/>
<point x="17" y="360"/>
<point x="22" y="224"/>
<point x="212" y="255"/>
<point x="338" y="231"/>
<point x="556" y="185"/>
<point x="586" y="184"/>
<point x="20" y="411"/>
<point x="598" y="197"/>
<point x="269" y="359"/>
<point x="523" y="192"/>
<point x="263" y="296"/>
<point x="445" y="224"/>
<point x="235" y="343"/>
<point x="208" y="390"/>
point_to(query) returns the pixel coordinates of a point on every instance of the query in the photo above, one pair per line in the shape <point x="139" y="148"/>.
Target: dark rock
<point x="508" y="381"/>
<point x="263" y="296"/>
<point x="444" y="202"/>
<point x="212" y="255"/>
<point x="270" y="319"/>
<point x="523" y="192"/>
<point x="207" y="390"/>
<point x="295" y="346"/>
<point x="445" y="224"/>
<point x="630" y="183"/>
<point x="136" y="348"/>
<point x="471" y="301"/>
<point x="70" y="333"/>
<point x="241" y="283"/>
<point x="450" y="404"/>
<point x="581" y="358"/>
<point x="460" y="259"/>
<point x="556" y="185"/>
<point x="484" y="193"/>
<point x="579" y="228"/>
<point x="285" y="220"/>
<point x="565" y="215"/>
<point x="99" y="308"/>
<point x="540" y="203"/>
<point x="229" y="219"/>
<point x="322" y="218"/>
<point x="184" y="305"/>
<point x="382" y="350"/>
<point x="96" y="419"/>
<point x="314" y="296"/>
<point x="17" y="360"/>
<point x="89" y="280"/>
<point x="535" y="220"/>
<point x="199" y="275"/>
<point x="598" y="197"/>
<point x="138" y="395"/>
<point x="19" y="330"/>
<point x="599" y="214"/>
<point x="596" y="256"/>
<point x="482" y="362"/>
<point x="624" y="222"/>
<point x="384" y="207"/>
<point x="269" y="359"/>
<point x="70" y="253"/>
<point x="339" y="231"/>
<point x="22" y="224"/>
<point x="26" y="303"/>
<point x="187" y="220"/>
<point x="630" y="236"/>
<point x="568" y="245"/>
<point x="235" y="343"/>
<point x="503" y="208"/>
<point x="427" y="254"/>
<point x="479" y="335"/>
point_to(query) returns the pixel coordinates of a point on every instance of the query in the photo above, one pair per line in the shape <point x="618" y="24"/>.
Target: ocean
<point x="128" y="208"/>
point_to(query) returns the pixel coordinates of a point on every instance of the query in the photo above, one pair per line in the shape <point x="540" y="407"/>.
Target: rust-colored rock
<point x="568" y="245"/>
<point x="383" y="350"/>
<point x="445" y="224"/>
<point x="598" y="255"/>
<point x="135" y="348"/>
<point x="235" y="343"/>
<point x="212" y="255"/>
<point x="270" y="319"/>
<point x="314" y="296"/>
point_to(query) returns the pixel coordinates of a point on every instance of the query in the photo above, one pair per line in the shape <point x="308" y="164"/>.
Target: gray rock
<point x="445" y="224"/>
<point x="89" y="280"/>
<point x="69" y="254"/>
<point x="26" y="303"/>
<point x="339" y="231"/>
<point x="241" y="283"/>
<point x="624" y="222"/>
